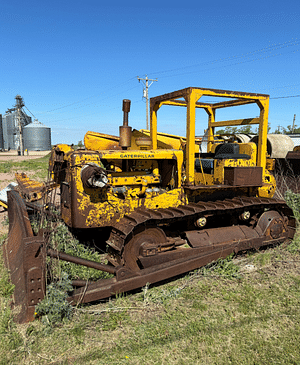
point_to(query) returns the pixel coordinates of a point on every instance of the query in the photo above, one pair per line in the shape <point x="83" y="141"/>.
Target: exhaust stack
<point x="125" y="130"/>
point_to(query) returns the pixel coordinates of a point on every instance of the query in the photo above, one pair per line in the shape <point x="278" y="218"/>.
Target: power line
<point x="264" y="50"/>
<point x="232" y="64"/>
<point x="93" y="96"/>
<point x="30" y="112"/>
<point x="286" y="97"/>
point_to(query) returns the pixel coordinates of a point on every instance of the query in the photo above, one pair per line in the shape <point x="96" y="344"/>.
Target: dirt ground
<point x="12" y="155"/>
<point x="6" y="178"/>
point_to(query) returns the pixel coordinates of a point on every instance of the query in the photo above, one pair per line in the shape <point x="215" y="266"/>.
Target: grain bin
<point x="1" y="134"/>
<point x="9" y="130"/>
<point x="37" y="137"/>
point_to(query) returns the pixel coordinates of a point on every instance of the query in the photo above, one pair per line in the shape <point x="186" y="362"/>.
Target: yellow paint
<point x="97" y="207"/>
<point x="136" y="179"/>
<point x="65" y="148"/>
<point x="33" y="190"/>
<point x="114" y="205"/>
<point x="296" y="149"/>
<point x="158" y="172"/>
<point x="99" y="141"/>
<point x="175" y="142"/>
<point x="203" y="179"/>
<point x="3" y="205"/>
<point x="190" y="97"/>
<point x="270" y="164"/>
<point x="268" y="190"/>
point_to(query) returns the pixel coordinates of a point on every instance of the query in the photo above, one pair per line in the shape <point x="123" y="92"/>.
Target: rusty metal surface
<point x="25" y="259"/>
<point x="147" y="253"/>
<point x="93" y="176"/>
<point x="206" y="246"/>
<point x="32" y="190"/>
<point x="80" y="261"/>
<point x="211" y="237"/>
<point x="166" y="240"/>
<point x="293" y="155"/>
<point x="127" y="280"/>
<point x="148" y="242"/>
<point x="243" y="176"/>
<point x="125" y="130"/>
<point x="129" y="223"/>
<point x="184" y="92"/>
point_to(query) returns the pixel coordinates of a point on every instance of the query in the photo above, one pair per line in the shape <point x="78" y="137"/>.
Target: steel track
<point x="124" y="230"/>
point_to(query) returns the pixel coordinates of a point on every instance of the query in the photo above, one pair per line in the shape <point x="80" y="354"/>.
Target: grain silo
<point x="12" y="122"/>
<point x="1" y="134"/>
<point x="37" y="137"/>
<point x="9" y="130"/>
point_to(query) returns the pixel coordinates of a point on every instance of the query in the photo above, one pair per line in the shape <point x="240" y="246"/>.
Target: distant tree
<point x="289" y="129"/>
<point x="227" y="130"/>
<point x="246" y="129"/>
<point x="79" y="144"/>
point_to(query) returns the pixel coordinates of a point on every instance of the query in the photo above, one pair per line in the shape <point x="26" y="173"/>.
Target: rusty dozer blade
<point x="25" y="257"/>
<point x="32" y="190"/>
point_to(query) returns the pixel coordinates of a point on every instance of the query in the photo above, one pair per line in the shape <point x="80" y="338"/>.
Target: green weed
<point x="3" y="238"/>
<point x="262" y="259"/>
<point x="294" y="246"/>
<point x="5" y="167"/>
<point x="160" y="296"/>
<point x="10" y="338"/>
<point x="54" y="308"/>
<point x="6" y="287"/>
<point x="199" y="319"/>
<point x="293" y="201"/>
<point x="222" y="267"/>
<point x="62" y="240"/>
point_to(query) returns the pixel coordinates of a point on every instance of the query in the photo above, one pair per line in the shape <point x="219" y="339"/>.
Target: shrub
<point x="293" y="201"/>
<point x="54" y="308"/>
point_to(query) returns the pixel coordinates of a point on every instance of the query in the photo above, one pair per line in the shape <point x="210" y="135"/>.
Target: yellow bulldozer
<point x="158" y="204"/>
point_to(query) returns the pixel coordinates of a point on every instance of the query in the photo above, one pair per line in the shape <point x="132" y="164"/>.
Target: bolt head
<point x="245" y="216"/>
<point x="201" y="222"/>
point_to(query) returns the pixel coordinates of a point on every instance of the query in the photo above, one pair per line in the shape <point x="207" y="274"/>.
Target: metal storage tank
<point x="37" y="137"/>
<point x="9" y="131"/>
<point x="1" y="134"/>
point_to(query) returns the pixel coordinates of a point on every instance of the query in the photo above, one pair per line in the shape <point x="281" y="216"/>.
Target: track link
<point x="142" y="218"/>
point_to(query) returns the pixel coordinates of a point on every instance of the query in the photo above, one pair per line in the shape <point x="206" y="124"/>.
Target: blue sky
<point x="73" y="62"/>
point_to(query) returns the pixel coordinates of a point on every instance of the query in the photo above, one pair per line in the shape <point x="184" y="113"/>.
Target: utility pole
<point x="293" y="127"/>
<point x="145" y="95"/>
<point x="19" y="106"/>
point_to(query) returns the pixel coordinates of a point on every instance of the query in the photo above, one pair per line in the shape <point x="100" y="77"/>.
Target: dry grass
<point x="244" y="312"/>
<point x="206" y="317"/>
